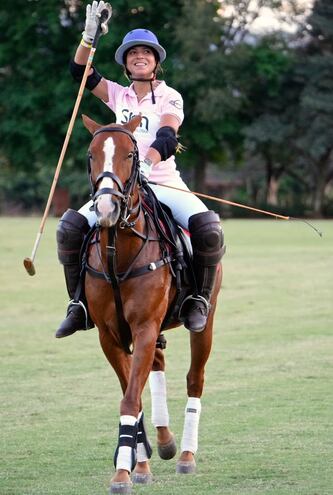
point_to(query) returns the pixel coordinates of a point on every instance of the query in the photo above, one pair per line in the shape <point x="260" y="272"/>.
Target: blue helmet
<point x="139" y="37"/>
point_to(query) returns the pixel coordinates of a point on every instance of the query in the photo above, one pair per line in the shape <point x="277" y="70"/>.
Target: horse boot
<point x="208" y="248"/>
<point x="71" y="231"/>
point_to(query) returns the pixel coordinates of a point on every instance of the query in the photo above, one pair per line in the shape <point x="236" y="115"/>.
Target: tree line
<point x="258" y="107"/>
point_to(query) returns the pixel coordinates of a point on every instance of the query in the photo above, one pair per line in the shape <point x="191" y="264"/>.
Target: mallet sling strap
<point x="143" y="438"/>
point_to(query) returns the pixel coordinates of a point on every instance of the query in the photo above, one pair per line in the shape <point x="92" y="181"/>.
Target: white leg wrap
<point x="124" y="458"/>
<point x="191" y="425"/>
<point x="159" y="407"/>
<point x="141" y="449"/>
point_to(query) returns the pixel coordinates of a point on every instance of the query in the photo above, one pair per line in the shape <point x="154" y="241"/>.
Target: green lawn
<point x="266" y="423"/>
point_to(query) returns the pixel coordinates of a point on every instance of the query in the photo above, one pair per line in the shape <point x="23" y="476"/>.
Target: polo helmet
<point x="139" y="37"/>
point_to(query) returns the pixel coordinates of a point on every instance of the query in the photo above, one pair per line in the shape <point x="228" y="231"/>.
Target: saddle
<point x="178" y="242"/>
<point x="177" y="253"/>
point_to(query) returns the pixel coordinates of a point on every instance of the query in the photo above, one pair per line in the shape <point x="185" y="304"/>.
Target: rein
<point x="127" y="210"/>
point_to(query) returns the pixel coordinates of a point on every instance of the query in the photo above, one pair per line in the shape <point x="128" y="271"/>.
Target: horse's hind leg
<point x="166" y="444"/>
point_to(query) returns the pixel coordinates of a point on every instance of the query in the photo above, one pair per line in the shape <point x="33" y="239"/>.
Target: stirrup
<point x="193" y="297"/>
<point x="80" y="303"/>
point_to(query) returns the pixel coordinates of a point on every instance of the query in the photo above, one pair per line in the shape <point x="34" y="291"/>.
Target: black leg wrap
<point x="143" y="437"/>
<point x="161" y="342"/>
<point x="71" y="231"/>
<point x="127" y="438"/>
<point x="207" y="243"/>
<point x="206" y="238"/>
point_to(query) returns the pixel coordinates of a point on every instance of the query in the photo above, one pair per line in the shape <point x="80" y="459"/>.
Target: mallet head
<point x="29" y="266"/>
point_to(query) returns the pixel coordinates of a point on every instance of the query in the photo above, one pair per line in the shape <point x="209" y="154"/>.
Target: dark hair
<point x="156" y="55"/>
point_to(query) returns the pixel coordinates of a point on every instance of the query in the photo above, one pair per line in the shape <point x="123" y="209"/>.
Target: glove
<point x="145" y="167"/>
<point x="93" y="13"/>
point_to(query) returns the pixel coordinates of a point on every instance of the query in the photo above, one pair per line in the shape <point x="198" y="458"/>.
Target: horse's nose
<point x="107" y="210"/>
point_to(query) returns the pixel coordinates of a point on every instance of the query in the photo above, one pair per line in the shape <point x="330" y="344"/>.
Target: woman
<point x="161" y="108"/>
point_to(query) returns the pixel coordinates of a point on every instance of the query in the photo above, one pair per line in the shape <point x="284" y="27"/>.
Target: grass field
<point x="266" y="423"/>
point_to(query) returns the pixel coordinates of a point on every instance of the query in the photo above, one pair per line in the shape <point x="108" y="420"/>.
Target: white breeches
<point x="183" y="205"/>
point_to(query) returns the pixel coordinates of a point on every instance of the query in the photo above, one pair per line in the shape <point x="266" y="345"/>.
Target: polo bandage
<point x="159" y="407"/>
<point x="191" y="425"/>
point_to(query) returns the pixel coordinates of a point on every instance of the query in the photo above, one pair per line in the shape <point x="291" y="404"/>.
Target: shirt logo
<point x="176" y="103"/>
<point x="127" y="115"/>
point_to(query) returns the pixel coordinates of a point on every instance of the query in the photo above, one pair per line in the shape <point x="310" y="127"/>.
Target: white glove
<point x="93" y="13"/>
<point x="145" y="167"/>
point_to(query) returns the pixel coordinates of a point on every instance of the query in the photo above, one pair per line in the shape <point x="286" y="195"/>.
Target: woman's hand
<point x="93" y="13"/>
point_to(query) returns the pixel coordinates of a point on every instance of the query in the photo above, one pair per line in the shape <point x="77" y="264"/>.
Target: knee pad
<point x="71" y="231"/>
<point x="206" y="237"/>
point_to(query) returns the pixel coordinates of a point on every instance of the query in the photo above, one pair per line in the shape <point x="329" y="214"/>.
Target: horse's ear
<point x="90" y="124"/>
<point x="133" y="123"/>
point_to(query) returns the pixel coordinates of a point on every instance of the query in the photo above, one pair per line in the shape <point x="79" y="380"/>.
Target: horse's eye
<point x="130" y="155"/>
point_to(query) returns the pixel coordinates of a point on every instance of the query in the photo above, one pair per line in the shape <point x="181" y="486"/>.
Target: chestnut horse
<point x="142" y="299"/>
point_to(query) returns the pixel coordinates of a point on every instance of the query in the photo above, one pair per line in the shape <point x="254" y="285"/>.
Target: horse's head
<point x="113" y="167"/>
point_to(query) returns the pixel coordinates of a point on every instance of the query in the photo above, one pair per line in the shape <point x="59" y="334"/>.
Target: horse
<point x="128" y="241"/>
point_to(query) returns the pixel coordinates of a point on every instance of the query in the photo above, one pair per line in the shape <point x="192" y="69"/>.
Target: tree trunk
<point x="273" y="174"/>
<point x="272" y="191"/>
<point x="318" y="197"/>
<point x="319" y="192"/>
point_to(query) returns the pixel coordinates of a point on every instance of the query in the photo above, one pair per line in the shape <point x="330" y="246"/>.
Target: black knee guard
<point x="71" y="231"/>
<point x="206" y="238"/>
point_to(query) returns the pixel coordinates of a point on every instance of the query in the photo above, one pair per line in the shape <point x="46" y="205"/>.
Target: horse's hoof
<point x="120" y="487"/>
<point x="185" y="467"/>
<point x="168" y="450"/>
<point x="142" y="478"/>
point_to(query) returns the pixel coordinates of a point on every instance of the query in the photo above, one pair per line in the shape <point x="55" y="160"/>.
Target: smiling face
<point x="141" y="61"/>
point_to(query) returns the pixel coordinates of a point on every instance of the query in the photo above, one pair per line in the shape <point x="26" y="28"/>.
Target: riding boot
<point x="207" y="243"/>
<point x="70" y="235"/>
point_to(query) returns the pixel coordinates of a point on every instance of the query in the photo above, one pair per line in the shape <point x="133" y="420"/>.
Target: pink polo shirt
<point x="124" y="103"/>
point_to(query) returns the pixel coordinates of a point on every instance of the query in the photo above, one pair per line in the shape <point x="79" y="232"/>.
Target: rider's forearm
<point x="153" y="155"/>
<point x="81" y="55"/>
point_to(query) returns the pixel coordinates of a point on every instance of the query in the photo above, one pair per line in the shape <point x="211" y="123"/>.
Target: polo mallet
<point x="29" y="262"/>
<point x="239" y="205"/>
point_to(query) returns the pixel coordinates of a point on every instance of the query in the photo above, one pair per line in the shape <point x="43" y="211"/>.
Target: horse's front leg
<point x="126" y="456"/>
<point x="121" y="363"/>
<point x="166" y="444"/>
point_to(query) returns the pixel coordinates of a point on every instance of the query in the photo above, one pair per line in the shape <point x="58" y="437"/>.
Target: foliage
<point x="245" y="96"/>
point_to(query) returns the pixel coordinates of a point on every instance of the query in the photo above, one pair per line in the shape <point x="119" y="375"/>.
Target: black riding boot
<point x="208" y="249"/>
<point x="70" y="235"/>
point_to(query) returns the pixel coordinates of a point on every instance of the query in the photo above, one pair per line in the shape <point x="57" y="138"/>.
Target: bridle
<point x="123" y="191"/>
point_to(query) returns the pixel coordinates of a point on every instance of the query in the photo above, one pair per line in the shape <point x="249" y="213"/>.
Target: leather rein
<point x="125" y="193"/>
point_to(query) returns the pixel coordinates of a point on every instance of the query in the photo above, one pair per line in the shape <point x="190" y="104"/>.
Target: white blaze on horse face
<point x="105" y="203"/>
<point x="109" y="151"/>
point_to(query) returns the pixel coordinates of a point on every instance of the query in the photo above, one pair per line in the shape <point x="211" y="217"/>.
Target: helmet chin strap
<point x="150" y="80"/>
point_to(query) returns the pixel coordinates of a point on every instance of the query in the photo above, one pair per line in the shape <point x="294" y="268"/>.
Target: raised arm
<point x="95" y="82"/>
